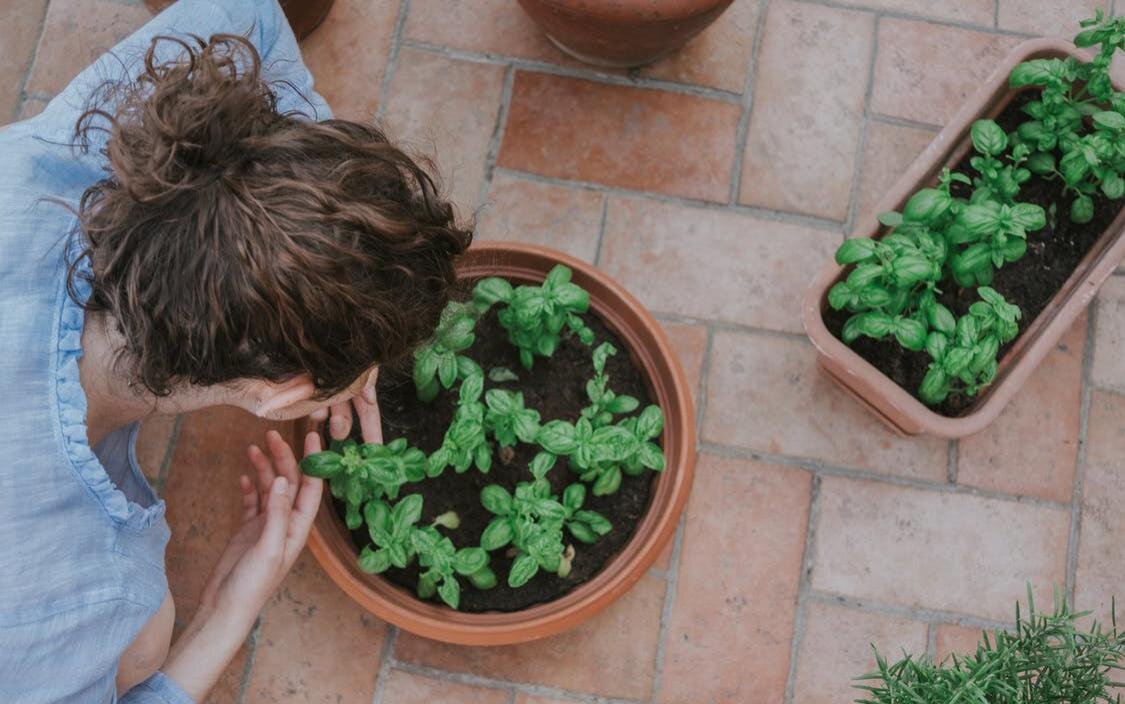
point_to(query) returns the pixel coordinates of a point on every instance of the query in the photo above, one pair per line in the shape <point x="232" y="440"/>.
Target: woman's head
<point x="231" y="242"/>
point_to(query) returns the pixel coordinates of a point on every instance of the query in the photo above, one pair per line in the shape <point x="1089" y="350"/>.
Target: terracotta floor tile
<point x="765" y="393"/>
<point x="634" y="138"/>
<point x="1109" y="335"/>
<point x="485" y="26"/>
<point x="75" y="33"/>
<point x="1101" y="569"/>
<point x="447" y="109"/>
<point x="955" y="639"/>
<point x="729" y="635"/>
<point x="612" y="655"/>
<point x="1047" y="17"/>
<point x="518" y="210"/>
<point x="348" y="53"/>
<point x="715" y="265"/>
<point x="408" y="688"/>
<point x="203" y="497"/>
<point x="315" y="643"/>
<point x="690" y="345"/>
<point x="924" y="72"/>
<point x="719" y="57"/>
<point x="152" y="443"/>
<point x="836" y="649"/>
<point x="882" y="542"/>
<point x="972" y="11"/>
<point x="19" y="30"/>
<point x="1032" y="448"/>
<point x="808" y="105"/>
<point x="531" y="699"/>
<point x="887" y="152"/>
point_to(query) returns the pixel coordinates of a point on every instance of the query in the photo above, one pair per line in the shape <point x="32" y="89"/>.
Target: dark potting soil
<point x="556" y="387"/>
<point x="1052" y="255"/>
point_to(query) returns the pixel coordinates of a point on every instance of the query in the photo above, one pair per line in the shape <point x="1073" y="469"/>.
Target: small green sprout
<point x="507" y="419"/>
<point x="586" y="526"/>
<point x="465" y="442"/>
<point x="531" y="521"/>
<point x="604" y="403"/>
<point x="356" y="472"/>
<point x="442" y="562"/>
<point x="535" y="316"/>
<point x="501" y="375"/>
<point x="391" y="530"/>
<point x="438" y="365"/>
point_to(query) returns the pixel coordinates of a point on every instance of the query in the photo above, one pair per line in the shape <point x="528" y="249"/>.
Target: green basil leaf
<point x="324" y="464"/>
<point x="406" y="513"/>
<point x="841" y="296"/>
<point x="491" y="290"/>
<point x="935" y="385"/>
<point x="450" y="592"/>
<point x="559" y="274"/>
<point x="1029" y="216"/>
<point x="469" y="560"/>
<point x="471" y="389"/>
<point x="651" y="456"/>
<point x="541" y="464"/>
<point x="523" y="569"/>
<point x="447" y="369"/>
<point x="956" y="360"/>
<point x="573" y="298"/>
<point x="936" y="345"/>
<point x="1113" y="186"/>
<point x="483" y="578"/>
<point x="890" y="219"/>
<point x="981" y="220"/>
<point x="608" y="482"/>
<point x="941" y="319"/>
<point x="497" y="534"/>
<point x="989" y="138"/>
<point x="1109" y="119"/>
<point x="425" y="366"/>
<point x="374" y="561"/>
<point x="910" y="333"/>
<point x="855" y="250"/>
<point x="1082" y="209"/>
<point x="557" y="437"/>
<point x="582" y="532"/>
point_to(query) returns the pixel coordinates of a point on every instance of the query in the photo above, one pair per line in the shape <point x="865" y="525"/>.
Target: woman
<point x="211" y="245"/>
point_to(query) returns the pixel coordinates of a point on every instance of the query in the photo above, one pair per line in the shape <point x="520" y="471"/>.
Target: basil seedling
<point x="604" y="403"/>
<point x="438" y="365"/>
<point x="531" y="521"/>
<point x="465" y="442"/>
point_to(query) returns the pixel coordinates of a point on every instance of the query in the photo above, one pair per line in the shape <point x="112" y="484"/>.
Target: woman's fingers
<point x="369" y="420"/>
<point x="302" y="517"/>
<point x="312" y="443"/>
<point x="263" y="469"/>
<point x="249" y="498"/>
<point x="340" y="421"/>
<point x="284" y="462"/>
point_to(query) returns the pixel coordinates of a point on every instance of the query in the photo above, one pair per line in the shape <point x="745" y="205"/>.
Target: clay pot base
<point x="605" y="63"/>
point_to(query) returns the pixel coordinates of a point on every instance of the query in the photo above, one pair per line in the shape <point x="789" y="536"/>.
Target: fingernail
<point x="337" y="422"/>
<point x="280" y="485"/>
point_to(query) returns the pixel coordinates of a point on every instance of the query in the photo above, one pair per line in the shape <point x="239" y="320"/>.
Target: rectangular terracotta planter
<point x="897" y="406"/>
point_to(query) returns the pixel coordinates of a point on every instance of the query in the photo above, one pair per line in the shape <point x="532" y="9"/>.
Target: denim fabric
<point x="82" y="536"/>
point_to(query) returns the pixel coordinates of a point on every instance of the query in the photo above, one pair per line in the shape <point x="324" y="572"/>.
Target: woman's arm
<point x="277" y="515"/>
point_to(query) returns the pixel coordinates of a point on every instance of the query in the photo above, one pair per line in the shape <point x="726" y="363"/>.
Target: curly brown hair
<point x="230" y="241"/>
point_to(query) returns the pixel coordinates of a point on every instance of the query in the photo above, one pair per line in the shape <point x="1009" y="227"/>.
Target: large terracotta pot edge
<point x="894" y="405"/>
<point x="328" y="542"/>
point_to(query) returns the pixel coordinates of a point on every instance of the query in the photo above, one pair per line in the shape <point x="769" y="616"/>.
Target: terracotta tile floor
<point x="713" y="184"/>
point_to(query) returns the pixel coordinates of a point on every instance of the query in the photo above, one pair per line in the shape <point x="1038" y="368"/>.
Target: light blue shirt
<point x="82" y="535"/>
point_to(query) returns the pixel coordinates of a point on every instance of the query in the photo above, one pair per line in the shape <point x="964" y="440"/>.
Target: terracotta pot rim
<point x="895" y="405"/>
<point x="627" y="317"/>
<point x="632" y="11"/>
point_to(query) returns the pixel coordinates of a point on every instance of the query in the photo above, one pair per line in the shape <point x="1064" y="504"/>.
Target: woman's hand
<point x="366" y="407"/>
<point x="278" y="508"/>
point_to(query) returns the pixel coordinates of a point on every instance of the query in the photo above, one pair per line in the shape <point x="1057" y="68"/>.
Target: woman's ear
<point x="273" y="397"/>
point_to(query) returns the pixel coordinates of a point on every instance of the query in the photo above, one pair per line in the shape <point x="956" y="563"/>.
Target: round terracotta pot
<point x="304" y="15"/>
<point x="622" y="33"/>
<point x="648" y="347"/>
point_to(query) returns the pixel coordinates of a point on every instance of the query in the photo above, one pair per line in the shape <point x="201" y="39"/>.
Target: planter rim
<point x="646" y="342"/>
<point x="631" y="11"/>
<point x="898" y="407"/>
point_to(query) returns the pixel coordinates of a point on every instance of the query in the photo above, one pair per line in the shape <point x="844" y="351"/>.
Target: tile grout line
<point x="953" y="462"/>
<point x="251" y="654"/>
<point x="586" y="74"/>
<point x="21" y="94"/>
<point x="701" y="392"/>
<point x="861" y="143"/>
<point x="169" y="452"/>
<point x="935" y="616"/>
<point x="601" y="229"/>
<point x="996" y="14"/>
<point x="728" y="326"/>
<point x="512" y="697"/>
<point x="1075" y="533"/>
<point x="931" y="640"/>
<point x="392" y="59"/>
<point x="502" y="684"/>
<point x="804" y="589"/>
<point x="894" y="121"/>
<point x="742" y="131"/>
<point x="810" y="221"/>
<point x="823" y="469"/>
<point x="671" y="580"/>
<point x="497" y="135"/>
<point x="921" y="19"/>
<point x="386" y="662"/>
